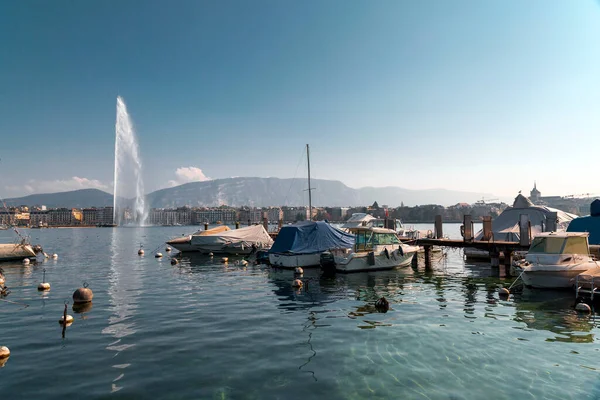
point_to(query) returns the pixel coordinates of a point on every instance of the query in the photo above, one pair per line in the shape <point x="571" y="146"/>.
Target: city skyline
<point x="457" y="95"/>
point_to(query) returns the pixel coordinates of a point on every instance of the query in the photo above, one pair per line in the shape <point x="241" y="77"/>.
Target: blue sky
<point x="469" y="95"/>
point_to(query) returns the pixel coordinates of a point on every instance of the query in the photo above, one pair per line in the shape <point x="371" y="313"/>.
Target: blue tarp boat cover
<point x="589" y="224"/>
<point x="310" y="237"/>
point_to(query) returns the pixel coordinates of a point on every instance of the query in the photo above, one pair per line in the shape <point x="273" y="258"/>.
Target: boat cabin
<point x="560" y="243"/>
<point x="368" y="238"/>
<point x="358" y="220"/>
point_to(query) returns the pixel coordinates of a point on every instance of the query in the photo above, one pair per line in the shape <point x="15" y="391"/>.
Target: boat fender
<point x="387" y="253"/>
<point x="401" y="251"/>
<point x="462" y="230"/>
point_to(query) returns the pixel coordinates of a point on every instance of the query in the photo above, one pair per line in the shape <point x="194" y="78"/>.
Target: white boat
<point x="374" y="249"/>
<point x="367" y="220"/>
<point x="554" y="259"/>
<point x="15" y="251"/>
<point x="301" y="244"/>
<point x="225" y="241"/>
<point x="505" y="227"/>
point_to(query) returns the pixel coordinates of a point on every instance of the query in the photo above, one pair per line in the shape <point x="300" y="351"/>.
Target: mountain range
<point x="258" y="192"/>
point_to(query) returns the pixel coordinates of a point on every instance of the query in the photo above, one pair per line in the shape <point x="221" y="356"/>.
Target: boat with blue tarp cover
<point x="301" y="244"/>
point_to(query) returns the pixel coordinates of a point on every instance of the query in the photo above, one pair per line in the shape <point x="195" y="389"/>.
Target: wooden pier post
<point x="249" y="223"/>
<point x="280" y="224"/>
<point x="237" y="224"/>
<point x="524" y="230"/>
<point x="206" y="226"/>
<point x="468" y="228"/>
<point x="427" y="257"/>
<point x="505" y="269"/>
<point x="266" y="223"/>
<point x="487" y="228"/>
<point x="439" y="231"/>
<point x="551" y="222"/>
<point x="495" y="258"/>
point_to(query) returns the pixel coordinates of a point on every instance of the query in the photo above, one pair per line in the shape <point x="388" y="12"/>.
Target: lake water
<point x="204" y="330"/>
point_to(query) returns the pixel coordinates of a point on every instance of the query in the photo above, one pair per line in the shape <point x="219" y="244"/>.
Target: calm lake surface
<point x="204" y="330"/>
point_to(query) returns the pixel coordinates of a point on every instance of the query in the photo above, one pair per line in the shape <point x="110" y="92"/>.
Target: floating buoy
<point x="158" y="255"/>
<point x="26" y="261"/>
<point x="297" y="283"/>
<point x="167" y="249"/>
<point x="583" y="308"/>
<point x="382" y="305"/>
<point x="44" y="286"/>
<point x="210" y="254"/>
<point x="174" y="261"/>
<point x="224" y="260"/>
<point x="69" y="320"/>
<point x="299" y="270"/>
<point x="83" y="295"/>
<point x="243" y="263"/>
<point x="55" y="256"/>
<point x="140" y="252"/>
<point x="503" y="292"/>
<point x="4" y="352"/>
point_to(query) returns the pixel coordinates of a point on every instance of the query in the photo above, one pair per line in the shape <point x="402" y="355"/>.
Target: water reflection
<point x="552" y="311"/>
<point x="124" y="288"/>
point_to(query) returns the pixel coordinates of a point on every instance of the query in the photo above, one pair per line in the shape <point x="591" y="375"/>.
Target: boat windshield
<point x="576" y="245"/>
<point x="548" y="245"/>
<point x="385" y="238"/>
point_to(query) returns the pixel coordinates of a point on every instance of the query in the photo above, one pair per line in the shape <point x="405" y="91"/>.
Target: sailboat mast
<point x="309" y="188"/>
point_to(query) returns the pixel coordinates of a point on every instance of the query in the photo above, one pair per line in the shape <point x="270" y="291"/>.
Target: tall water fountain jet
<point x="128" y="172"/>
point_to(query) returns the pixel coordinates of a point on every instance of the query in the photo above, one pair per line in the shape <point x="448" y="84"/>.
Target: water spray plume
<point x="128" y="181"/>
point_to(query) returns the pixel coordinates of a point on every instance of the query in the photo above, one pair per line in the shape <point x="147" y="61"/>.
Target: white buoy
<point x="140" y="252"/>
<point x="167" y="249"/>
<point x="158" y="255"/>
<point x="4" y="352"/>
<point x="503" y="292"/>
<point x="210" y="254"/>
<point x="43" y="286"/>
<point x="297" y="283"/>
<point x="26" y="261"/>
<point x="69" y="320"/>
<point x="583" y="308"/>
<point x="55" y="256"/>
<point x="299" y="270"/>
<point x="224" y="260"/>
<point x="244" y="263"/>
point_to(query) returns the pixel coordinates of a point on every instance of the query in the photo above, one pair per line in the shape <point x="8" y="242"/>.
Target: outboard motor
<point x="327" y="262"/>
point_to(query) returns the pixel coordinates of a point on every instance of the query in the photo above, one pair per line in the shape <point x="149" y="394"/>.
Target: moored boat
<point x="16" y="251"/>
<point x="554" y="259"/>
<point x="301" y="244"/>
<point x="374" y="249"/>
<point x="223" y="240"/>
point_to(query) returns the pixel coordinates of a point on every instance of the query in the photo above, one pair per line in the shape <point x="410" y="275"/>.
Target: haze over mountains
<point x="258" y="192"/>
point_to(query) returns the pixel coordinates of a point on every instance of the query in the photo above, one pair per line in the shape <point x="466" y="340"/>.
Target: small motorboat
<point x="374" y="249"/>
<point x="554" y="259"/>
<point x="16" y="251"/>
<point x="222" y="240"/>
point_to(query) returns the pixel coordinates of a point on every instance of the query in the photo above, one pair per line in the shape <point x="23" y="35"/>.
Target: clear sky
<point x="470" y="95"/>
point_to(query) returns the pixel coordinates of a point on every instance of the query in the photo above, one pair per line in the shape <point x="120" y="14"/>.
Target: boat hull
<point x="295" y="260"/>
<point x="360" y="262"/>
<point x="552" y="277"/>
<point x="11" y="252"/>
